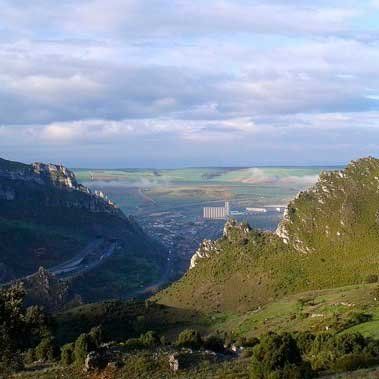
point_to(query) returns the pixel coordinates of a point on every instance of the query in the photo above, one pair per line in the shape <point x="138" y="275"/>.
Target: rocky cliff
<point x="232" y="230"/>
<point x="56" y="178"/>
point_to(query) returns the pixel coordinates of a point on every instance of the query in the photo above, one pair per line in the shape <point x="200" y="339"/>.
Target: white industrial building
<point x="217" y="213"/>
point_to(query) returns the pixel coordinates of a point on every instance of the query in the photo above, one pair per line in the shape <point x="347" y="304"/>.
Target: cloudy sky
<point x="168" y="83"/>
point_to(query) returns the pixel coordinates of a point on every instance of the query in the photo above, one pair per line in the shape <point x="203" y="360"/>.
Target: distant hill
<point x="47" y="218"/>
<point x="329" y="237"/>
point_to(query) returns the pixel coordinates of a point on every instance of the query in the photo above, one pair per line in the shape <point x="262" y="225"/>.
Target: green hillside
<point x="329" y="238"/>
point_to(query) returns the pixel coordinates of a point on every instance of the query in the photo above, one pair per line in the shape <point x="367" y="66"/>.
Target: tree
<point x="47" y="349"/>
<point x="20" y="328"/>
<point x="96" y="333"/>
<point x="83" y="345"/>
<point x="67" y="354"/>
<point x="12" y="327"/>
<point x="150" y="339"/>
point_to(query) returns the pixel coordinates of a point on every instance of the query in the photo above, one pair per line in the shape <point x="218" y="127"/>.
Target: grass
<point x="316" y="311"/>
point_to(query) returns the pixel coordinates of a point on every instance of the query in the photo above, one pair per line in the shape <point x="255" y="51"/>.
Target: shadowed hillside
<point x="47" y="218"/>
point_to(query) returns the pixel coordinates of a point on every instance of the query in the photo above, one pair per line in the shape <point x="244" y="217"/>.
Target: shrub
<point x="214" y="343"/>
<point x="342" y="350"/>
<point x="351" y="362"/>
<point x="247" y="353"/>
<point x="358" y="318"/>
<point x="304" y="341"/>
<point x="149" y="339"/>
<point x="134" y="344"/>
<point x="30" y="356"/>
<point x="189" y="338"/>
<point x="347" y="343"/>
<point x="67" y="354"/>
<point x="47" y="349"/>
<point x="83" y="345"/>
<point x="373" y="278"/>
<point x="96" y="334"/>
<point x="277" y="356"/>
<point x="251" y="342"/>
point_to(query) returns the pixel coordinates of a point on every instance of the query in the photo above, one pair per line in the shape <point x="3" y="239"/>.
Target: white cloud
<point x="102" y="73"/>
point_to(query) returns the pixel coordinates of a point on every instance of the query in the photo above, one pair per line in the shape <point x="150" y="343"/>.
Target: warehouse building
<point x="216" y="213"/>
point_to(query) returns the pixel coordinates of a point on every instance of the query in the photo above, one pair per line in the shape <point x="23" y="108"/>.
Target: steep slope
<point x="47" y="218"/>
<point x="328" y="238"/>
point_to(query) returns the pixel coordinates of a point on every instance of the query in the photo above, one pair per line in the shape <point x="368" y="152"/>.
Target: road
<point x="95" y="253"/>
<point x="90" y="257"/>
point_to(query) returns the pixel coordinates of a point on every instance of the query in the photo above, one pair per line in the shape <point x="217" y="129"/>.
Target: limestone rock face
<point x="332" y="212"/>
<point x="50" y="179"/>
<point x="233" y="225"/>
<point x="206" y="250"/>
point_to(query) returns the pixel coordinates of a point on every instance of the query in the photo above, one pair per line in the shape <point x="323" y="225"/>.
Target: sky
<point x="174" y="83"/>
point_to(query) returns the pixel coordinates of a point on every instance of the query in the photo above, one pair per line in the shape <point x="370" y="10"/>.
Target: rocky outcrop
<point x="44" y="289"/>
<point x="103" y="357"/>
<point x="42" y="177"/>
<point x="187" y="358"/>
<point x="206" y="250"/>
<point x="232" y="226"/>
<point x="335" y="210"/>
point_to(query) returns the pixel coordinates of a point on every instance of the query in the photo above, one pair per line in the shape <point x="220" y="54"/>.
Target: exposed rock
<point x="94" y="361"/>
<point x="187" y="358"/>
<point x="231" y="225"/>
<point x="206" y="250"/>
<point x="57" y="177"/>
<point x="104" y="357"/>
<point x="173" y="362"/>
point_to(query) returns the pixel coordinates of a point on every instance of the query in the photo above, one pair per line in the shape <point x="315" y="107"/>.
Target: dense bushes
<point x="67" y="354"/>
<point x="83" y="345"/>
<point x="302" y="354"/>
<point x="21" y="329"/>
<point x="189" y="338"/>
<point x="47" y="349"/>
<point x="278" y="356"/>
<point x="214" y="342"/>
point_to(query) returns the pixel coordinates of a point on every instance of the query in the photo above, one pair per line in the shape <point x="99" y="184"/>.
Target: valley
<point x="168" y="204"/>
<point x="301" y="284"/>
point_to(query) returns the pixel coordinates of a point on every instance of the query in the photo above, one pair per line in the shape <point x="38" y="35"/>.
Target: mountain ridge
<point x="48" y="218"/>
<point x="327" y="238"/>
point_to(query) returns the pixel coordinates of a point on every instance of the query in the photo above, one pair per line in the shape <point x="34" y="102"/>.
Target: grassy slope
<point x="335" y="223"/>
<point x="339" y="310"/>
<point x="313" y="311"/>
